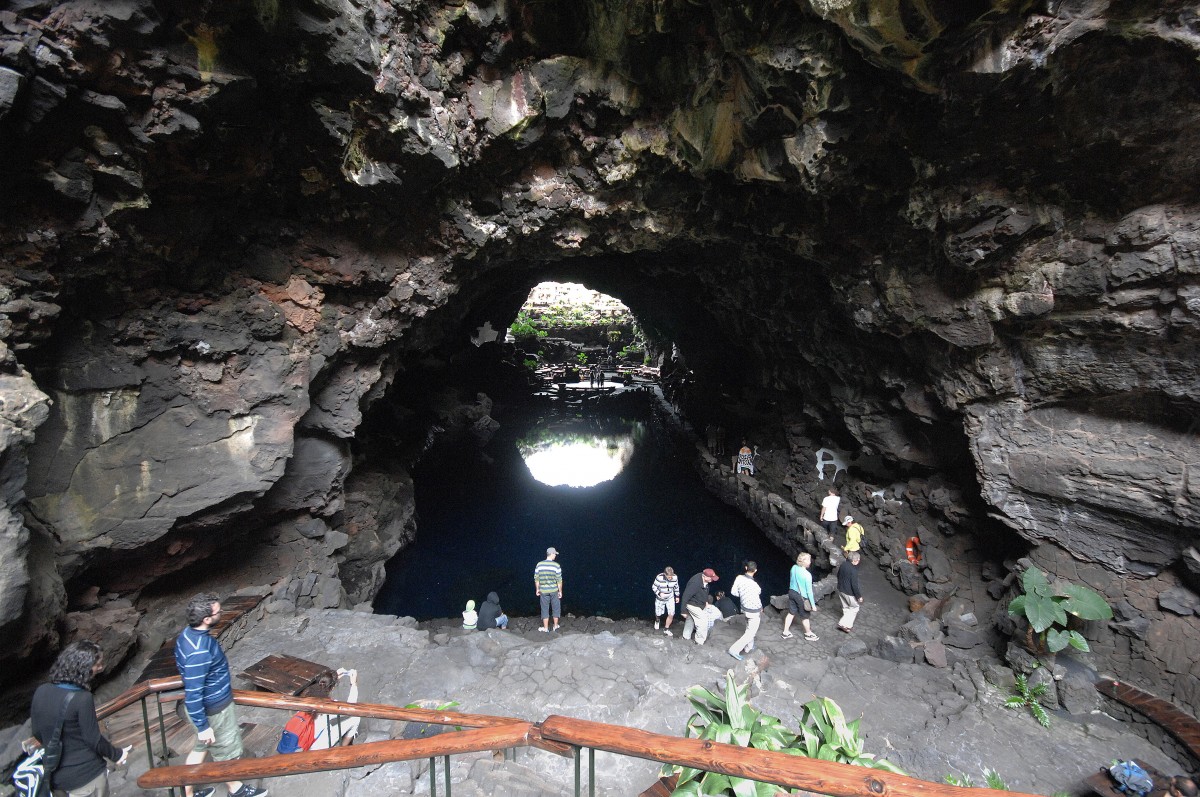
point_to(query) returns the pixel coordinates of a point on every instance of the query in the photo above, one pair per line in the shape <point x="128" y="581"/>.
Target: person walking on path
<point x="548" y="582"/>
<point x="749" y="595"/>
<point x="849" y="592"/>
<point x="66" y="702"/>
<point x="829" y="511"/>
<point x="695" y="596"/>
<point x="745" y="459"/>
<point x="801" y="602"/>
<point x="854" y="534"/>
<point x="208" y="694"/>
<point x="666" y="598"/>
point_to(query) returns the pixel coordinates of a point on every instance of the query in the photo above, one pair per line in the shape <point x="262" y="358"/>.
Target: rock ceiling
<point x="949" y="232"/>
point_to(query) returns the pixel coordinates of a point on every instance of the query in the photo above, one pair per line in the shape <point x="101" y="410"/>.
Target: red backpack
<point x="299" y="733"/>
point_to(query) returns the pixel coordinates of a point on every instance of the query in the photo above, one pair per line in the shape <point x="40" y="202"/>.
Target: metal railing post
<point x="146" y="730"/>
<point x="433" y="776"/>
<point x="162" y="731"/>
<point x="576" y="769"/>
<point x="447" y="770"/>
<point x="591" y="772"/>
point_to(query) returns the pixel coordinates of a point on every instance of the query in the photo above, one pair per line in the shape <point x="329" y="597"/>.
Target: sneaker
<point x="207" y="791"/>
<point x="556" y="629"/>
<point x="668" y="632"/>
<point x="811" y="637"/>
<point x="249" y="791"/>
<point x="656" y="625"/>
<point x="544" y="630"/>
<point x="737" y="656"/>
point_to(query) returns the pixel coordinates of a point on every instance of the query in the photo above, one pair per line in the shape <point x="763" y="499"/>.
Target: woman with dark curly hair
<point x="82" y="771"/>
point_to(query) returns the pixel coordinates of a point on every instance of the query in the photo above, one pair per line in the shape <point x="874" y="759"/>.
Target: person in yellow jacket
<point x="854" y="534"/>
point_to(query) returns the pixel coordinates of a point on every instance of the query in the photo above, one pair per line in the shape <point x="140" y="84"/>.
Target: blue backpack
<point x="1131" y="779"/>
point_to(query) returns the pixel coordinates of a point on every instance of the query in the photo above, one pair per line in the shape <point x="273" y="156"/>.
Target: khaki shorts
<point x="228" y="745"/>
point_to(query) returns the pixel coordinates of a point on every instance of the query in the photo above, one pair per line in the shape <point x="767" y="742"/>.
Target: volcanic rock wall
<point x="956" y="236"/>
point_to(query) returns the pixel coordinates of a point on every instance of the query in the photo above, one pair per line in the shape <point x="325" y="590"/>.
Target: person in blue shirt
<point x="208" y="694"/>
<point x="801" y="602"/>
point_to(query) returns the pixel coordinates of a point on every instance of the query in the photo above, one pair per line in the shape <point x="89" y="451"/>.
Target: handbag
<point x="32" y="776"/>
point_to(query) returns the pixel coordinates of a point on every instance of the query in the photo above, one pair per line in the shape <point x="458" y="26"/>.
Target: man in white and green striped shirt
<point x="548" y="581"/>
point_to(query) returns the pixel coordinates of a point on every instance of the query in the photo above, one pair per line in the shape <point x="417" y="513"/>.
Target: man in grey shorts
<point x="548" y="581"/>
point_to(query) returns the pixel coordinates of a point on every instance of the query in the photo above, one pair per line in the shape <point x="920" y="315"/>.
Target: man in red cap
<point x="695" y="596"/>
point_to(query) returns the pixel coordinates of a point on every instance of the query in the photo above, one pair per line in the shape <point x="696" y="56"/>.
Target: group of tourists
<point x="700" y="610"/>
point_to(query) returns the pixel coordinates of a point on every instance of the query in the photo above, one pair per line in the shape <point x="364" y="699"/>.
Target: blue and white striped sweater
<point x="205" y="670"/>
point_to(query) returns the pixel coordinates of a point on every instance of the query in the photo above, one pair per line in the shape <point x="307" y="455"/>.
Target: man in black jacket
<point x="695" y="596"/>
<point x="849" y="591"/>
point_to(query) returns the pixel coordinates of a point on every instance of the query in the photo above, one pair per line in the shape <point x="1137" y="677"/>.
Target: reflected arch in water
<point x="579" y="455"/>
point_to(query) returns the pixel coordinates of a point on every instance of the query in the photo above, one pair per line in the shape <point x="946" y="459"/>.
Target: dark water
<point x="484" y="526"/>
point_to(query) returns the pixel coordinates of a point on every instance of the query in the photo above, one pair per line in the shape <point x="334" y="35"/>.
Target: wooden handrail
<point x="1168" y="716"/>
<point x="556" y="734"/>
<point x="290" y="703"/>
<point x="373" y="710"/>
<point x="781" y="769"/>
<point x="136" y="693"/>
<point x="513" y="734"/>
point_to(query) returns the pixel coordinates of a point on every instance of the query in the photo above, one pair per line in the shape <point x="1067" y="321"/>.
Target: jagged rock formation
<point x="237" y="237"/>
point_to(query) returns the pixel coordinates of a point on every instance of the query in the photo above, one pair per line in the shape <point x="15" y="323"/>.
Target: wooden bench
<point x="285" y="675"/>
<point x="1102" y="783"/>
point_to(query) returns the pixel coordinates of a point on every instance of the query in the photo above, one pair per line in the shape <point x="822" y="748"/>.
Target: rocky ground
<point x="930" y="721"/>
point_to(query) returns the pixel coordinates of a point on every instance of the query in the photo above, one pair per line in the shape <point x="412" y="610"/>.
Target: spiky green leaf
<point x="888" y="766"/>
<point x="690" y="788"/>
<point x="735" y="702"/>
<point x="743" y="787"/>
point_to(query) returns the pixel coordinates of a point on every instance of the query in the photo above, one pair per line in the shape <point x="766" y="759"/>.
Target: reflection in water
<point x="578" y="458"/>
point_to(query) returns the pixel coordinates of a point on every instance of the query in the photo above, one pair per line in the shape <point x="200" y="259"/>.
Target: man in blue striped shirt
<point x="548" y="581"/>
<point x="208" y="694"/>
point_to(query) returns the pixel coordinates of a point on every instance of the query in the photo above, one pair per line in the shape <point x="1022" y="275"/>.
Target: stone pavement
<point x="932" y="722"/>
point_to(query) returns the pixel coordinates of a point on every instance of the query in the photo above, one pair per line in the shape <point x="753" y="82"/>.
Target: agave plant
<point x="729" y="718"/>
<point x="1047" y="605"/>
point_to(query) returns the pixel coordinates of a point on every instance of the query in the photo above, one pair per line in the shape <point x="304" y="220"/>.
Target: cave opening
<point x="562" y="437"/>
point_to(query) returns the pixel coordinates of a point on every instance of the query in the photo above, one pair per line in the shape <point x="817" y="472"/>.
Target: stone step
<point x="514" y="779"/>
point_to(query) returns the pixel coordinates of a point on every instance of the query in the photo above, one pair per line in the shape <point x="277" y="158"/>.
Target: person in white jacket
<point x="749" y="594"/>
